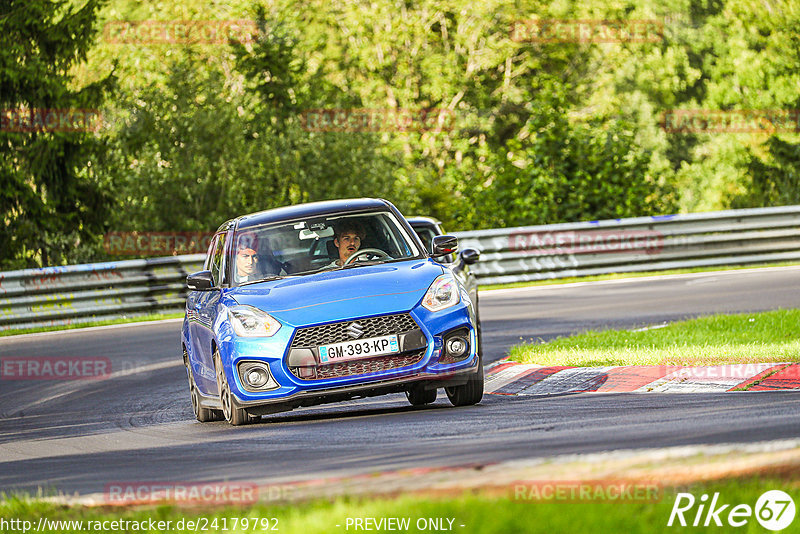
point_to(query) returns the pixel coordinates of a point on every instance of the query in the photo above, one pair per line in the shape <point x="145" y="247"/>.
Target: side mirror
<point x="470" y="256"/>
<point x="200" y="281"/>
<point x="444" y="244"/>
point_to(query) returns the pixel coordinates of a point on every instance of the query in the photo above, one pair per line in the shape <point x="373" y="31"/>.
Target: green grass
<point x="502" y="511"/>
<point x="637" y="274"/>
<point x="719" y="339"/>
<point x="138" y="319"/>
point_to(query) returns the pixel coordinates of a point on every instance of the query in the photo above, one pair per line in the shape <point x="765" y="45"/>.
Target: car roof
<point x="311" y="209"/>
<point x="418" y="219"/>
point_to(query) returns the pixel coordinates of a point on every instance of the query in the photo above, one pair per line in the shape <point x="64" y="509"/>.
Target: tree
<point x="51" y="208"/>
<point x="308" y="165"/>
<point x="214" y="140"/>
<point x="776" y="181"/>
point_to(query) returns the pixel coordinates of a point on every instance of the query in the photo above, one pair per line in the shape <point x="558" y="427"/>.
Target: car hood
<point x="342" y="294"/>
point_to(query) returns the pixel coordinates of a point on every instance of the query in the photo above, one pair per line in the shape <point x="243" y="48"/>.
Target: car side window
<point x="210" y="254"/>
<point x="216" y="259"/>
<point x="425" y="235"/>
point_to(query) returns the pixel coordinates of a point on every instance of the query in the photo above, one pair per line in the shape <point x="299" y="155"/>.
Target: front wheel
<point x="232" y="413"/>
<point x="419" y="396"/>
<point x="204" y="415"/>
<point x="469" y="393"/>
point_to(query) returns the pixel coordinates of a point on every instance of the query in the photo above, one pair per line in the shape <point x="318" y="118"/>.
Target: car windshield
<point x="314" y="245"/>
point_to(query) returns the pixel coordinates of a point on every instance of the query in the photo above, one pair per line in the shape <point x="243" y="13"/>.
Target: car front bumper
<point x="294" y="392"/>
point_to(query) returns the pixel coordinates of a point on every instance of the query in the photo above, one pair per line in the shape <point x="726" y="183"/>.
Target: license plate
<point x="362" y="348"/>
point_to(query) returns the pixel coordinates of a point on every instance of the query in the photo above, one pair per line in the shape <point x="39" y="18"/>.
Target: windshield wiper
<point x="363" y="263"/>
<point x="267" y="279"/>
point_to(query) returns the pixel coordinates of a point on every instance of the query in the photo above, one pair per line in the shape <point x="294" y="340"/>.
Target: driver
<point x="347" y="239"/>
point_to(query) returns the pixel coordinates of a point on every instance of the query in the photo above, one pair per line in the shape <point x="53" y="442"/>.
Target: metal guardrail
<point x="94" y="292"/>
<point x="734" y="237"/>
<point x="80" y="293"/>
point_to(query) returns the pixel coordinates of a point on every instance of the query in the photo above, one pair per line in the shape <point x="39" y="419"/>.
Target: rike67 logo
<point x="774" y="510"/>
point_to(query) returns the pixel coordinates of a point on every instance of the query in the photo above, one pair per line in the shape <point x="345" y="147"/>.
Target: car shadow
<point x="332" y="411"/>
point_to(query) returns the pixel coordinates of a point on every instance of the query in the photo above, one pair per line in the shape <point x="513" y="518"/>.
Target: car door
<point x="193" y="305"/>
<point x="206" y="304"/>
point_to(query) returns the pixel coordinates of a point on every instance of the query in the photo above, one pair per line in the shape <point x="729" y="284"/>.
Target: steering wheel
<point x="375" y="251"/>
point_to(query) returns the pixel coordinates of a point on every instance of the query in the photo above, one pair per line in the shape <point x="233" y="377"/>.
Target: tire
<point x="230" y="411"/>
<point x="204" y="415"/>
<point x="419" y="396"/>
<point x="471" y="392"/>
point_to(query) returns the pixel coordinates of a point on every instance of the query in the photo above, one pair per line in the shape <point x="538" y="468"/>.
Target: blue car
<point x="325" y="302"/>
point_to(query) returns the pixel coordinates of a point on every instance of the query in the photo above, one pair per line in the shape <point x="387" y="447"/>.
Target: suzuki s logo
<point x="355" y="330"/>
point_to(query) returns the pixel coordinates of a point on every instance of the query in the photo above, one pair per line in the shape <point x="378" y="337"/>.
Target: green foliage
<point x="556" y="170"/>
<point x="177" y="150"/>
<point x="538" y="131"/>
<point x="201" y="147"/>
<point x="775" y="182"/>
<point x="51" y="208"/>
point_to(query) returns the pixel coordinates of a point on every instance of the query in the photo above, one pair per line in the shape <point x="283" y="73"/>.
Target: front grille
<point x="384" y="325"/>
<point x="362" y="367"/>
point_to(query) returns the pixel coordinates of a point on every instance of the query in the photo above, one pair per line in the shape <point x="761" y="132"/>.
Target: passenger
<point x="246" y="258"/>
<point x="255" y="260"/>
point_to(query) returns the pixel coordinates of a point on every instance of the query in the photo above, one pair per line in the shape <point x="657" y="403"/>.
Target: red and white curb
<point x="511" y="378"/>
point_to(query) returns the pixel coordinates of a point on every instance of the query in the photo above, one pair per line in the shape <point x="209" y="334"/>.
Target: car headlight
<point x="442" y="294"/>
<point x="252" y="322"/>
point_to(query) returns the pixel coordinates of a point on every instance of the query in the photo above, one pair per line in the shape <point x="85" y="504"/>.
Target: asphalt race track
<point x="510" y="316"/>
<point x="79" y="436"/>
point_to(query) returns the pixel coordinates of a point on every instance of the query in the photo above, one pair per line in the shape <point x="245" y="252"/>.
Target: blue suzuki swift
<point x="325" y="302"/>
